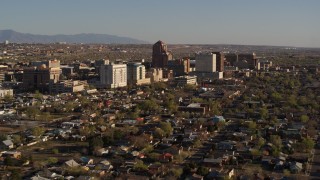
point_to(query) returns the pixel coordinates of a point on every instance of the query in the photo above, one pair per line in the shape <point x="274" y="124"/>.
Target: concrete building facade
<point x="113" y="75"/>
<point x="136" y="74"/>
<point x="38" y="78"/>
<point x="155" y="74"/>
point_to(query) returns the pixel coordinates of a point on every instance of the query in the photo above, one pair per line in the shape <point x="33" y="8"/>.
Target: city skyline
<point x="279" y="23"/>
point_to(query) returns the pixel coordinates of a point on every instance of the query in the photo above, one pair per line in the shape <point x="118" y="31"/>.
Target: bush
<point x="55" y="151"/>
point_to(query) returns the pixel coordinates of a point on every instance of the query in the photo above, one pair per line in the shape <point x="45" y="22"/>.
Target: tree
<point x="38" y="131"/>
<point x="304" y="118"/>
<point x="202" y="171"/>
<point x="149" y="105"/>
<point x="16" y="139"/>
<point x="260" y="143"/>
<point x="252" y="125"/>
<point x="140" y="166"/>
<point x="140" y="141"/>
<point x="308" y="144"/>
<point x="276" y="141"/>
<point x="38" y="95"/>
<point x="3" y="137"/>
<point x="52" y="160"/>
<point x="69" y="106"/>
<point x="264" y="113"/>
<point x="176" y="172"/>
<point x="166" y="127"/>
<point x="159" y="133"/>
<point x="46" y="116"/>
<point x="95" y="143"/>
<point x="215" y="107"/>
<point x="32" y="112"/>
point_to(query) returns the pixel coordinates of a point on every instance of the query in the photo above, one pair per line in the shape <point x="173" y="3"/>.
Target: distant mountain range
<point x="17" y="37"/>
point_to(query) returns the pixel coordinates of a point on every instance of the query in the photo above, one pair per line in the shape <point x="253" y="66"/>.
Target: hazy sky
<point x="262" y="22"/>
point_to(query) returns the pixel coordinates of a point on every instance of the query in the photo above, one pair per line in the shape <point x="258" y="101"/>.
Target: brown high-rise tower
<point x="160" y="55"/>
<point x="220" y="61"/>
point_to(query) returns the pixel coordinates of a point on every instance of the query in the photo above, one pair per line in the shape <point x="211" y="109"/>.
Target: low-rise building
<point x="6" y="92"/>
<point x="184" y="80"/>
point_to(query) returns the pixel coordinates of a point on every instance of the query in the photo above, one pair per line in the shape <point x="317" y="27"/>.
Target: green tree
<point x="149" y="105"/>
<point x="69" y="106"/>
<point x="308" y="144"/>
<point x="140" y="166"/>
<point x="202" y="171"/>
<point x="95" y="143"/>
<point x="16" y="139"/>
<point x="32" y="112"/>
<point x="38" y="131"/>
<point x="176" y="172"/>
<point x="38" y="95"/>
<point x="264" y="113"/>
<point x="3" y="137"/>
<point x="276" y="141"/>
<point x="166" y="127"/>
<point x="252" y="125"/>
<point x="52" y="160"/>
<point x="304" y="118"/>
<point x="159" y="133"/>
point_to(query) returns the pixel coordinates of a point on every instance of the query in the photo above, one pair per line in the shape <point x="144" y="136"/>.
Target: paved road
<point x="315" y="170"/>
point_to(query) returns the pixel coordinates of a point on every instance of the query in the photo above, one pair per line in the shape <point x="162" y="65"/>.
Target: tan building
<point x="38" y="78"/>
<point x="155" y="74"/>
<point x="3" y="71"/>
<point x="4" y="92"/>
<point x="184" y="80"/>
<point x="67" y="86"/>
<point x="137" y="74"/>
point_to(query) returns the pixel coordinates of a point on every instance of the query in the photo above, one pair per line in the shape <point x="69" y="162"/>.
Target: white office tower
<point x="137" y="74"/>
<point x="113" y="75"/>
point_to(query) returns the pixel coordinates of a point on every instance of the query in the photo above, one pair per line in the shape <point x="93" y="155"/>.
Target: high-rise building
<point x="99" y="63"/>
<point x="251" y="59"/>
<point x="113" y="75"/>
<point x="180" y="67"/>
<point x="220" y="61"/>
<point x="160" y="55"/>
<point x="38" y="78"/>
<point x="206" y="62"/>
<point x="137" y="74"/>
<point x="243" y="60"/>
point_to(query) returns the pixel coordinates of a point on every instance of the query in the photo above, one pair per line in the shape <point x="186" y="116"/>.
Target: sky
<point x="245" y="22"/>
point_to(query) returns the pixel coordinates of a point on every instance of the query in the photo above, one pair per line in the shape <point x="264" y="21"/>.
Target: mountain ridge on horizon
<point x="18" y="37"/>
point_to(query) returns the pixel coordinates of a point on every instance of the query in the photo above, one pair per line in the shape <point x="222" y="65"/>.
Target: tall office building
<point x="206" y="62"/>
<point x="39" y="77"/>
<point x="180" y="67"/>
<point x="136" y="74"/>
<point x="251" y="59"/>
<point x="160" y="55"/>
<point x="113" y="75"/>
<point x="220" y="61"/>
